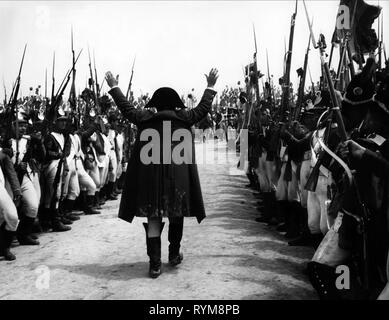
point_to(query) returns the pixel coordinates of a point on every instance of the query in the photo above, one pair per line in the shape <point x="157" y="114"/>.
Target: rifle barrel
<point x="65" y="81"/>
<point x="53" y="79"/>
<point x="130" y="83"/>
<point x="46" y="83"/>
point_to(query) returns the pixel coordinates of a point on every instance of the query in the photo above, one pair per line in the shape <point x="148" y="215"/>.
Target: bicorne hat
<point x="165" y="99"/>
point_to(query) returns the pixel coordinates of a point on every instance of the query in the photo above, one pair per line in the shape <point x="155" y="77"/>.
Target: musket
<point x="64" y="84"/>
<point x="331" y="54"/>
<point x="256" y="83"/>
<point x="345" y="49"/>
<point x="301" y="88"/>
<point x="382" y="37"/>
<point x="335" y="109"/>
<point x="312" y="83"/>
<point x="14" y="104"/>
<point x="45" y="83"/>
<point x="53" y="80"/>
<point x="72" y="93"/>
<point x="130" y="83"/>
<point x="272" y="94"/>
<point x="269" y="78"/>
<point x="379" y="41"/>
<point x="97" y="82"/>
<point x="285" y="104"/>
<point x="5" y="93"/>
<point x="91" y="80"/>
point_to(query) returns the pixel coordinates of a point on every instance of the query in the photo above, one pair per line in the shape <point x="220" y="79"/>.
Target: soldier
<point x="53" y="170"/>
<point x="268" y="172"/>
<point x="77" y="178"/>
<point x="112" y="155"/>
<point x="10" y="200"/>
<point x="288" y="194"/>
<point x="119" y="143"/>
<point x="28" y="154"/>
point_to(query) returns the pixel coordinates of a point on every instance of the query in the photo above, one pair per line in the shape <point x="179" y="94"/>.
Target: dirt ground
<point x="227" y="256"/>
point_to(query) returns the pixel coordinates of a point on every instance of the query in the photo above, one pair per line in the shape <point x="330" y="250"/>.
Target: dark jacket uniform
<point x="161" y="190"/>
<point x="9" y="173"/>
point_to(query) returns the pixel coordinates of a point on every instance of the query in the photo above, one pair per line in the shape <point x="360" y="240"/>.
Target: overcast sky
<point x="175" y="42"/>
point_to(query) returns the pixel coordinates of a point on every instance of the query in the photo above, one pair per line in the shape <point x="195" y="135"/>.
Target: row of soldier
<point x="48" y="170"/>
<point x="325" y="193"/>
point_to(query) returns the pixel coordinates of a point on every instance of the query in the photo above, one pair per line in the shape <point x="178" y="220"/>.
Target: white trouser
<point x="8" y="212"/>
<point x="31" y="195"/>
<point x="49" y="175"/>
<point x="103" y="171"/>
<point x="94" y="173"/>
<point x="68" y="181"/>
<point x="288" y="190"/>
<point x="317" y="206"/>
<point x="113" y="166"/>
<point x="83" y="181"/>
<point x="119" y="168"/>
<point x="263" y="179"/>
<point x="293" y="185"/>
<point x="271" y="173"/>
<point x="304" y="175"/>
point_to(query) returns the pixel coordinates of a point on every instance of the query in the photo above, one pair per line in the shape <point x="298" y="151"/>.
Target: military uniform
<point x="8" y="212"/>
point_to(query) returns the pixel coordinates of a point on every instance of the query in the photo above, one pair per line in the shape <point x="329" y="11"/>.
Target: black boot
<point x="24" y="232"/>
<point x="65" y="220"/>
<point x="305" y="238"/>
<point x="61" y="214"/>
<point x="176" y="227"/>
<point x="269" y="209"/>
<point x="69" y="205"/>
<point x="45" y="219"/>
<point x="251" y="185"/>
<point x="121" y="181"/>
<point x="56" y="222"/>
<point x="96" y="201"/>
<point x="89" y="206"/>
<point x="293" y="220"/>
<point x="118" y="190"/>
<point x="6" y="238"/>
<point x="110" y="195"/>
<point x="278" y="212"/>
<point x="257" y="187"/>
<point x="154" y="252"/>
<point x="103" y="195"/>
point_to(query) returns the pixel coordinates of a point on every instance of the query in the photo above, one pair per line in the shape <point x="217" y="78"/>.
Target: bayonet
<point x="97" y="82"/>
<point x="45" y="83"/>
<point x="92" y="81"/>
<point x="64" y="82"/>
<point x="5" y="93"/>
<point x="268" y="69"/>
<point x="130" y="83"/>
<point x="53" y="79"/>
<point x="255" y="41"/>
<point x="314" y="43"/>
<point x="72" y="93"/>
<point x="14" y="103"/>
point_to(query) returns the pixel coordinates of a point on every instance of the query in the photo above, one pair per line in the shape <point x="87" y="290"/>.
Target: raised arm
<point x="125" y="107"/>
<point x="195" y="115"/>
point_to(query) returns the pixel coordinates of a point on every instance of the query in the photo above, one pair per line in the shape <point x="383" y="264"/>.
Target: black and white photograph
<point x="172" y="152"/>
